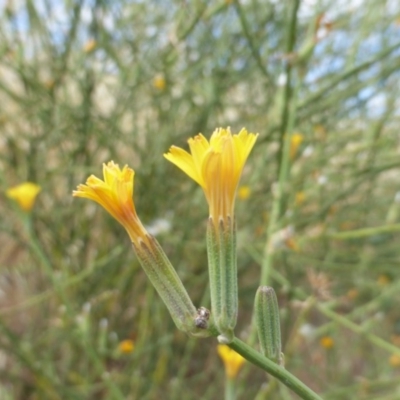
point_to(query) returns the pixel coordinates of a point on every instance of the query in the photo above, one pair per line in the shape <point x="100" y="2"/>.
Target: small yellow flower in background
<point x="216" y="165"/>
<point x="292" y="244"/>
<point x="49" y="83"/>
<point x="126" y="346"/>
<point x="333" y="210"/>
<point x="320" y="132"/>
<point x="243" y="192"/>
<point x="300" y="197"/>
<point x="352" y="294"/>
<point x="347" y="226"/>
<point x="24" y="194"/>
<point x="89" y="46"/>
<point x="295" y="142"/>
<point x="395" y="339"/>
<point x="394" y="360"/>
<point x="115" y="194"/>
<point x="159" y="82"/>
<point x="327" y="342"/>
<point x="232" y="360"/>
<point x="383" y="280"/>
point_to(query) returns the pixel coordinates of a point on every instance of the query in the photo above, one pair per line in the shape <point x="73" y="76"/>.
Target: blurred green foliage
<point x="85" y="82"/>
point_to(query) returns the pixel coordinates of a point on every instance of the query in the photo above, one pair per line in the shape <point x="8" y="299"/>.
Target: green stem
<point x="288" y="120"/>
<point x="279" y="195"/>
<point x="273" y="369"/>
<point x="357" y="328"/>
<point x="230" y="392"/>
<point x="254" y="48"/>
<point x="60" y="290"/>
<point x="365" y="232"/>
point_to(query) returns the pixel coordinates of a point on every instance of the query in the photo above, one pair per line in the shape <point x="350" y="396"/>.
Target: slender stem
<point x="254" y="48"/>
<point x="288" y="119"/>
<point x="364" y="232"/>
<point x="59" y="288"/>
<point x="290" y="43"/>
<point x="275" y="370"/>
<point x="360" y="329"/>
<point x="230" y="392"/>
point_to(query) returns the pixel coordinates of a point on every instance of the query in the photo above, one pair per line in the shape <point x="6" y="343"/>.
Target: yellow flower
<point x="327" y="342"/>
<point x="295" y="142"/>
<point x="49" y="83"/>
<point x="244" y="192"/>
<point x="126" y="346"/>
<point x="115" y="194"/>
<point x="352" y="294"/>
<point x="395" y="339"/>
<point x="394" y="360"/>
<point x="300" y="198"/>
<point x="383" y="280"/>
<point x="24" y="194"/>
<point x="159" y="82"/>
<point x="232" y="360"/>
<point x="89" y="46"/>
<point x="216" y="165"/>
<point x="320" y="132"/>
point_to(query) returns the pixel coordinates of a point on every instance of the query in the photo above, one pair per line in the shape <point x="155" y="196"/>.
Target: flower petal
<point x="183" y="160"/>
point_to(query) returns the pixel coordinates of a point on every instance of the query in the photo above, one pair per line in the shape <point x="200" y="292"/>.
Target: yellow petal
<point x="232" y="360"/>
<point x="183" y="160"/>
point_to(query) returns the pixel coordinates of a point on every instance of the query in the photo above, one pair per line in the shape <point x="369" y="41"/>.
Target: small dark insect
<point x="201" y="320"/>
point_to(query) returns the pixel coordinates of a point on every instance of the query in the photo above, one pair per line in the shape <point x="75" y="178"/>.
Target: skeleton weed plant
<point x="216" y="165"/>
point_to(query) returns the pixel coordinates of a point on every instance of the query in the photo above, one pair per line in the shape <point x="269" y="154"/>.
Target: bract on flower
<point x="115" y="194"/>
<point x="24" y="194"/>
<point x="232" y="360"/>
<point x="216" y="165"/>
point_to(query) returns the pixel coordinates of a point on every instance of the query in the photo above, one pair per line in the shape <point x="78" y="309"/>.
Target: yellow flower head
<point x="126" y="346"/>
<point x="115" y="194"/>
<point x="232" y="360"/>
<point x="89" y="46"/>
<point x="295" y="142"/>
<point x="352" y="294"/>
<point x="159" y="82"/>
<point x="216" y="165"/>
<point x="300" y="198"/>
<point x="327" y="342"/>
<point x="244" y="192"/>
<point x="394" y="360"/>
<point x="24" y="194"/>
<point x="383" y="280"/>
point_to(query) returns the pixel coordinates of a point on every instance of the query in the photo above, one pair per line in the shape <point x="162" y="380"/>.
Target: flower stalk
<point x="274" y="369"/>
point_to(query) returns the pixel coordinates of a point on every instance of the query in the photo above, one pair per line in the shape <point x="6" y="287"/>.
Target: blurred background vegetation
<point x="85" y="82"/>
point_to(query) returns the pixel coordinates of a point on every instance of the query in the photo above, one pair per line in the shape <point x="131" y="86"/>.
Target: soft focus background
<point x="85" y="82"/>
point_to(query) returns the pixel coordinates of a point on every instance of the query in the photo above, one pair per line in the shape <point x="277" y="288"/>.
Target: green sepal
<point x="221" y="250"/>
<point x="167" y="283"/>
